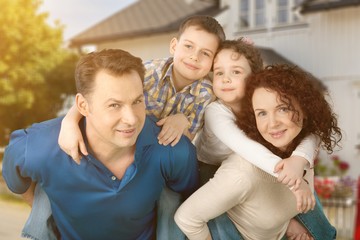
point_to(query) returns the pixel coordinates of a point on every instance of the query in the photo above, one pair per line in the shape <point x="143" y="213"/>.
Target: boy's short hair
<point x="249" y="51"/>
<point x="203" y="22"/>
<point x="115" y="61"/>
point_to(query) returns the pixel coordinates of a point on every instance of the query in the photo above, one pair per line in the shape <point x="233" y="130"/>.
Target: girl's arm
<point x="222" y="123"/>
<point x="303" y="155"/>
<point x="70" y="138"/>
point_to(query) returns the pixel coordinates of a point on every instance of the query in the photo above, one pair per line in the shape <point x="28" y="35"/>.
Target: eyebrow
<point x="119" y="101"/>
<point x="206" y="49"/>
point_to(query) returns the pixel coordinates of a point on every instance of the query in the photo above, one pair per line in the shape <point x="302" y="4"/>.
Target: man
<point x="112" y="194"/>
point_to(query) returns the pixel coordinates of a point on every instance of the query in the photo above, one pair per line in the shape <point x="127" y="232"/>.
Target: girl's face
<point x="230" y="71"/>
<point x="276" y="123"/>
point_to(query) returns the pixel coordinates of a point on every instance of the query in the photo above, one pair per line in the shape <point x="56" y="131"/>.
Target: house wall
<point x="150" y="47"/>
<point x="326" y="44"/>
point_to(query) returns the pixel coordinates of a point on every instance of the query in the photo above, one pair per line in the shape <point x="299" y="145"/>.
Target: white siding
<point x="325" y="43"/>
<point x="151" y="47"/>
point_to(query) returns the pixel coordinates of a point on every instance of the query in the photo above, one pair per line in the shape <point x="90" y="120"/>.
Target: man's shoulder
<point x="36" y="143"/>
<point x="149" y="137"/>
<point x="44" y="127"/>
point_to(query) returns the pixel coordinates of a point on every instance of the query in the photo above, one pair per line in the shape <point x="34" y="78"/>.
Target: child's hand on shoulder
<point x="71" y="140"/>
<point x="305" y="199"/>
<point x="173" y="127"/>
<point x="291" y="171"/>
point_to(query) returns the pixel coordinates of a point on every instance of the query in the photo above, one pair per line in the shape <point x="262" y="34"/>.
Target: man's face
<point x="193" y="54"/>
<point x="116" y="111"/>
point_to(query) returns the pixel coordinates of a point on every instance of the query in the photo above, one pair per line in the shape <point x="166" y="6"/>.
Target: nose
<point x="273" y="121"/>
<point x="194" y="56"/>
<point x="128" y="115"/>
<point x="226" y="79"/>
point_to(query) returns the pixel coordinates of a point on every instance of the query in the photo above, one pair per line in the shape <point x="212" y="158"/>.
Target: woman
<point x="280" y="108"/>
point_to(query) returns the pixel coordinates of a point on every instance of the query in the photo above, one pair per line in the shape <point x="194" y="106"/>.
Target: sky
<point x="78" y="15"/>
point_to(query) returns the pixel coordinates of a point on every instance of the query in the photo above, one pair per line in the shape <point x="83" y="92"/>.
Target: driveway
<point x="12" y="219"/>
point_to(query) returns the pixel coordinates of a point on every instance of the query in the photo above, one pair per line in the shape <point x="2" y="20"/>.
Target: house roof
<point x="145" y="17"/>
<point x="271" y="57"/>
<point x="320" y="5"/>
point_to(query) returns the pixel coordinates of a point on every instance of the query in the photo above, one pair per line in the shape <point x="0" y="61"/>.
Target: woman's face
<point x="276" y="123"/>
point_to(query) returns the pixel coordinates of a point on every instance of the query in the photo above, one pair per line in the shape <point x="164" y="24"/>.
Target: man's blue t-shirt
<point x="87" y="201"/>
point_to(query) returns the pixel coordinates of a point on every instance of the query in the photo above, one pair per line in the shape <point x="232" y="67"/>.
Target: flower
<point x="336" y="167"/>
<point x="331" y="180"/>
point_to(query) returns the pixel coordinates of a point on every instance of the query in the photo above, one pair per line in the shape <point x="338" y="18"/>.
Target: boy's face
<point x="230" y="71"/>
<point x="193" y="55"/>
<point x="114" y="110"/>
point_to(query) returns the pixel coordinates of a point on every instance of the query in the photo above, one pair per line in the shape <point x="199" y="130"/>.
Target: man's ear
<point x="173" y="44"/>
<point x="82" y="104"/>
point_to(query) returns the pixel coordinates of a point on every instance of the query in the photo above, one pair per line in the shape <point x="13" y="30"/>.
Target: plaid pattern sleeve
<point x="163" y="100"/>
<point x="202" y="95"/>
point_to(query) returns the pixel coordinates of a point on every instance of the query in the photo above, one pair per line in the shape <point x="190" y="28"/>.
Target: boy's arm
<point x="187" y="123"/>
<point x="70" y="138"/>
<point x="173" y="127"/>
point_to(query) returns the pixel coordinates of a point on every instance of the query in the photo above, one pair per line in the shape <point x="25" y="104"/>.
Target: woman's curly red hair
<point x="292" y="84"/>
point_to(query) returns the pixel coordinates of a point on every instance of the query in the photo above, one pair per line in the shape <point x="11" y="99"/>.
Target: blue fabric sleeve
<point x="183" y="170"/>
<point x="13" y="162"/>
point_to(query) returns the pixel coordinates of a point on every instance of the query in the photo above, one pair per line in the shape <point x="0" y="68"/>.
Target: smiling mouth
<point x="127" y="131"/>
<point x="277" y="134"/>
<point x="190" y="66"/>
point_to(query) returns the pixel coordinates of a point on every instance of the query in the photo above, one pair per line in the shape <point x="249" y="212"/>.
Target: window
<point x="285" y="11"/>
<point x="282" y="15"/>
<point x="252" y="13"/>
<point x="260" y="13"/>
<point x="244" y="14"/>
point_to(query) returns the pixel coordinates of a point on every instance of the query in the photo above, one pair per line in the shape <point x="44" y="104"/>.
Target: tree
<point x="36" y="72"/>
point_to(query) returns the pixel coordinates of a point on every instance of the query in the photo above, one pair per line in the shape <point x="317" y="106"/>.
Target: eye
<point x="236" y="72"/>
<point x="219" y="73"/>
<point x="139" y="101"/>
<point x="261" y="114"/>
<point x="284" y="109"/>
<point x="188" y="46"/>
<point x="206" y="54"/>
<point x="114" y="105"/>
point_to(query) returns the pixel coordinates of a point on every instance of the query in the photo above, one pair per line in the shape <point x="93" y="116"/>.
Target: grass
<point x="11" y="198"/>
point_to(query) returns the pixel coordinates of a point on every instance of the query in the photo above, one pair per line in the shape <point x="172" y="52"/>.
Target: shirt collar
<point x="147" y="136"/>
<point x="193" y="89"/>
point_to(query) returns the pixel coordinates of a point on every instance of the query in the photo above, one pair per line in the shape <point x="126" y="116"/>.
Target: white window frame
<point x="291" y="16"/>
<point x="251" y="14"/>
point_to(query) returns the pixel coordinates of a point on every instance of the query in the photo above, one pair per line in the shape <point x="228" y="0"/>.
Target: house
<point x="320" y="36"/>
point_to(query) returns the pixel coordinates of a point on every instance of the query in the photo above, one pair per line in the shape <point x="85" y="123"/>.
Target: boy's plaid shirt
<point x="162" y="99"/>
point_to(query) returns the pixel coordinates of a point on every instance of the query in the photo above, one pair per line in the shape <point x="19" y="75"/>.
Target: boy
<point x="177" y="89"/>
